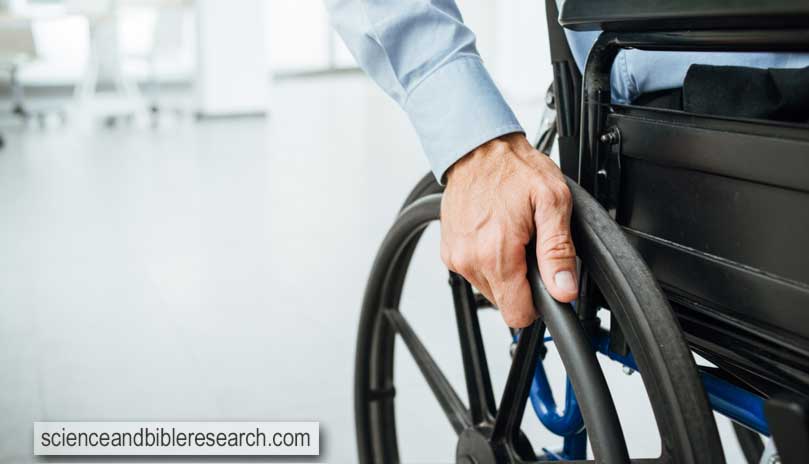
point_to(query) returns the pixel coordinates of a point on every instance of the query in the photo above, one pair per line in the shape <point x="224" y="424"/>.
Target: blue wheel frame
<point x="735" y="403"/>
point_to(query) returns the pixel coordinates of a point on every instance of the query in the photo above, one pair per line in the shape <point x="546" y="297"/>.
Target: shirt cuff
<point x="456" y="109"/>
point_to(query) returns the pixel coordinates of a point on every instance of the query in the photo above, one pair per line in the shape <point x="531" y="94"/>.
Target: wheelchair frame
<point x="730" y="400"/>
<point x="668" y="297"/>
<point x="591" y="142"/>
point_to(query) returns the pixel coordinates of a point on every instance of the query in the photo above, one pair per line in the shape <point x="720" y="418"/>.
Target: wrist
<point x="514" y="143"/>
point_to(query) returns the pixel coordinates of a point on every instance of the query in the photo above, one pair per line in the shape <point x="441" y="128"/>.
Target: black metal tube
<point x="453" y="407"/>
<point x="476" y="368"/>
<point x="722" y="40"/>
<point x="506" y="427"/>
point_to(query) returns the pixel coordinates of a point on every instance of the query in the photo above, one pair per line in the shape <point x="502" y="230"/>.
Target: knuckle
<point x="558" y="246"/>
<point x="488" y="259"/>
<point x="497" y="292"/>
<point x="518" y="320"/>
<point x="542" y="191"/>
<point x="555" y="194"/>
<point x="563" y="194"/>
<point x="560" y="196"/>
<point x="463" y="262"/>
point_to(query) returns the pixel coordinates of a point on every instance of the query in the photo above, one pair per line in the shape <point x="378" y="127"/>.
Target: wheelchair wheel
<point x="488" y="433"/>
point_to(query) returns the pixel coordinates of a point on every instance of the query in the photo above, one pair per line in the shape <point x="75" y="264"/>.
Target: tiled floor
<point x="213" y="270"/>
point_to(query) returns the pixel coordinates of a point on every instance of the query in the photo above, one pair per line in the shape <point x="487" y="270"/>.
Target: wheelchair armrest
<point x="662" y="15"/>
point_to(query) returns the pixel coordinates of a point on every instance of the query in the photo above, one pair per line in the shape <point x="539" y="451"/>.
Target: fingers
<point x="512" y="291"/>
<point x="462" y="264"/>
<point x="556" y="254"/>
<point x="479" y="282"/>
<point x="499" y="272"/>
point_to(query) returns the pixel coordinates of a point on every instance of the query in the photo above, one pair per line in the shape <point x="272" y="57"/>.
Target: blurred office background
<point x="191" y="196"/>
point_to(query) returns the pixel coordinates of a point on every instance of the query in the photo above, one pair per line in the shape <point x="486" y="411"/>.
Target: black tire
<point x="687" y="429"/>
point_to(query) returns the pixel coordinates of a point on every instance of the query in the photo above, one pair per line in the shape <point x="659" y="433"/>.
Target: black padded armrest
<point x="662" y="15"/>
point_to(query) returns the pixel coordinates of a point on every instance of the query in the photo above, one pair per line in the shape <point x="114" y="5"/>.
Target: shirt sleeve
<point x="421" y="54"/>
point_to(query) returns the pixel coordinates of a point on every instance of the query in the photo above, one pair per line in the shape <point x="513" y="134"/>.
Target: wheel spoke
<point x="476" y="369"/>
<point x="518" y="384"/>
<point x="452" y="405"/>
<point x="481" y="302"/>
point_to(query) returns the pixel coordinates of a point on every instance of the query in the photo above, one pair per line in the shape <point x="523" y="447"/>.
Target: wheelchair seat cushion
<point x="651" y="15"/>
<point x="733" y="91"/>
<point x="738" y="92"/>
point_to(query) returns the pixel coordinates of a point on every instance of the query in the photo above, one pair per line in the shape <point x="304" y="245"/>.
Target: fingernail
<point x="564" y="281"/>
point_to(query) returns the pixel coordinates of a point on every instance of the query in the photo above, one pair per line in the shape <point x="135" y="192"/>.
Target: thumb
<point x="556" y="255"/>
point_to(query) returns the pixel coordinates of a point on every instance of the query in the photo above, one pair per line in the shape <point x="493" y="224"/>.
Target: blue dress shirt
<point x="421" y="54"/>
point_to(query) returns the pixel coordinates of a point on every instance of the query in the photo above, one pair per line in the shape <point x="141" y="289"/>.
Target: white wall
<point x="297" y="34"/>
<point x="62" y="41"/>
<point x="232" y="69"/>
<point x="511" y="39"/>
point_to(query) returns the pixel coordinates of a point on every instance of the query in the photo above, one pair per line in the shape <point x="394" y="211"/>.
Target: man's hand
<point x="496" y="198"/>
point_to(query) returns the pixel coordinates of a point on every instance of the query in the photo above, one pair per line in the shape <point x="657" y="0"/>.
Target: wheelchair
<point x="692" y="236"/>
